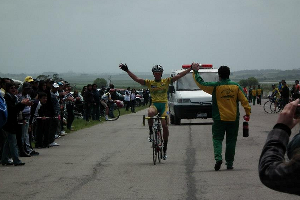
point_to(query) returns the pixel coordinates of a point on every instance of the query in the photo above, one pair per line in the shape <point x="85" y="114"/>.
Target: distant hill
<point x="264" y="75"/>
<point x="267" y="75"/>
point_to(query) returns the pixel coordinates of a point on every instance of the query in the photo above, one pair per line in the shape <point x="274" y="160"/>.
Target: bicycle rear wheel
<point x="114" y="114"/>
<point x="267" y="107"/>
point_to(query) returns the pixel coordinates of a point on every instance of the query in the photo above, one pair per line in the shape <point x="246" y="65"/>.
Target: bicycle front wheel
<point x="159" y="146"/>
<point x="114" y="114"/>
<point x="267" y="107"/>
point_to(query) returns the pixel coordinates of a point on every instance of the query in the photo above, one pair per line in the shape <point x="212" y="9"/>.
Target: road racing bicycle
<point x="156" y="137"/>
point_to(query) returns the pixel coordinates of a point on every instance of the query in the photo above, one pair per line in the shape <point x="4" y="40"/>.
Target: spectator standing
<point x="41" y="114"/>
<point x="279" y="85"/>
<point x="10" y="128"/>
<point x="132" y="100"/>
<point x="23" y="122"/>
<point x="78" y="102"/>
<point x="274" y="171"/>
<point x="3" y="112"/>
<point x="54" y="131"/>
<point x="3" y="119"/>
<point x="245" y="91"/>
<point x="69" y="99"/>
<point x="296" y="90"/>
<point x="89" y="101"/>
<point x="250" y="94"/>
<point x="225" y="94"/>
<point x="127" y="98"/>
<point x="84" y="89"/>
<point x="62" y="104"/>
<point x="254" y="95"/>
<point x="105" y="101"/>
<point x="96" y="104"/>
<point x="2" y="87"/>
<point x="34" y="89"/>
<point x="285" y="93"/>
<point x="146" y="96"/>
<point x="259" y="93"/>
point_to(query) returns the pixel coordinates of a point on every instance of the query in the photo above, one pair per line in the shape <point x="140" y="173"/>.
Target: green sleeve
<point x="205" y="86"/>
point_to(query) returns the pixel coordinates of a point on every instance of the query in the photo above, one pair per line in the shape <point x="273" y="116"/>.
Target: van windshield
<point x="187" y="82"/>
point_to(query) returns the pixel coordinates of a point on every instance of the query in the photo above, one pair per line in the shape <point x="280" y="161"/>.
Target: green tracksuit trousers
<point x="254" y="99"/>
<point x="219" y="128"/>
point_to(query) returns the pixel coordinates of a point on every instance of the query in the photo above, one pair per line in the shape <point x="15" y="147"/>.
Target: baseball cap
<point x="55" y="85"/>
<point x="28" y="79"/>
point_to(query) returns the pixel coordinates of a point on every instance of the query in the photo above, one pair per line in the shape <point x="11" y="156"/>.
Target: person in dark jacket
<point x="42" y="115"/>
<point x="274" y="171"/>
<point x="10" y="128"/>
<point x="285" y="93"/>
<point x="96" y="104"/>
<point x="89" y="101"/>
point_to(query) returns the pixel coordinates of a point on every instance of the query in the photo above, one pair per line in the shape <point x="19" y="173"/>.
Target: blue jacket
<point x="3" y="112"/>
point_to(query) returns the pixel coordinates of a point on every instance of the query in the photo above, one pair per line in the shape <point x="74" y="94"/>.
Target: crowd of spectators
<point x="40" y="110"/>
<point x="282" y="91"/>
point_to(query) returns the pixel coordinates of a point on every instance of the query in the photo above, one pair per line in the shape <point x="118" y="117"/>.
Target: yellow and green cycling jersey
<point x="159" y="89"/>
<point x="226" y="95"/>
<point x="276" y="94"/>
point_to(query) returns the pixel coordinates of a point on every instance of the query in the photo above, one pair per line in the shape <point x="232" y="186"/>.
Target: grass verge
<point x="79" y="124"/>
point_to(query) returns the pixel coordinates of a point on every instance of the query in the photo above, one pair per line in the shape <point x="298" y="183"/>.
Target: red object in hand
<point x="246" y="118"/>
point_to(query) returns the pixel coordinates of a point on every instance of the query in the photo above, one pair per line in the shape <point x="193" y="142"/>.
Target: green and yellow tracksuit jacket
<point x="226" y="95"/>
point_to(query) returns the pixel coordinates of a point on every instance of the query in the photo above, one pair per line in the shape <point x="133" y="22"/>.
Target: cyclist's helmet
<point x="273" y="85"/>
<point x="157" y="68"/>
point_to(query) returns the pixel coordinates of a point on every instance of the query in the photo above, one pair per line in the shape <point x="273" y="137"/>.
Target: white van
<point x="186" y="99"/>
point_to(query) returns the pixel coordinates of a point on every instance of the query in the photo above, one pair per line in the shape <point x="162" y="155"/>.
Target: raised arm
<point x="133" y="76"/>
<point x="181" y="74"/>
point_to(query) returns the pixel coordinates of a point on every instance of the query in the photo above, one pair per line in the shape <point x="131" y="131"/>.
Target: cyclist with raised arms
<point x="159" y="93"/>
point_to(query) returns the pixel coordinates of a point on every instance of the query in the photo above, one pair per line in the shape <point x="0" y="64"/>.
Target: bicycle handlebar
<point x="155" y="117"/>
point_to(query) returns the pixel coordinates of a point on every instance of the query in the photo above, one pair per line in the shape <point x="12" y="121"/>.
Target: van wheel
<point x="176" y="120"/>
<point x="172" y="121"/>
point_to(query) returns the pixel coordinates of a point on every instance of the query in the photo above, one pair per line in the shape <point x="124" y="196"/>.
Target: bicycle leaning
<point x="271" y="106"/>
<point x="157" y="137"/>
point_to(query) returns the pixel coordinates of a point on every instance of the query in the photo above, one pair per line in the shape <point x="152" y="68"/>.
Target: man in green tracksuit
<point x="226" y="95"/>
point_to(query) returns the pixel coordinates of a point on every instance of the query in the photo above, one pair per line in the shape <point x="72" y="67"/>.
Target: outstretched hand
<point x="123" y="67"/>
<point x="287" y="116"/>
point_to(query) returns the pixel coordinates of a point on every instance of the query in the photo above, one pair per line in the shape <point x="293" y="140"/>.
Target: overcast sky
<point x="96" y="35"/>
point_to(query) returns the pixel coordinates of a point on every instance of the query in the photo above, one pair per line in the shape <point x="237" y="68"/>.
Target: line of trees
<point x="248" y="82"/>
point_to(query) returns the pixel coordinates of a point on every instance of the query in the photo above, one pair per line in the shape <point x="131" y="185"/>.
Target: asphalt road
<point x="113" y="160"/>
